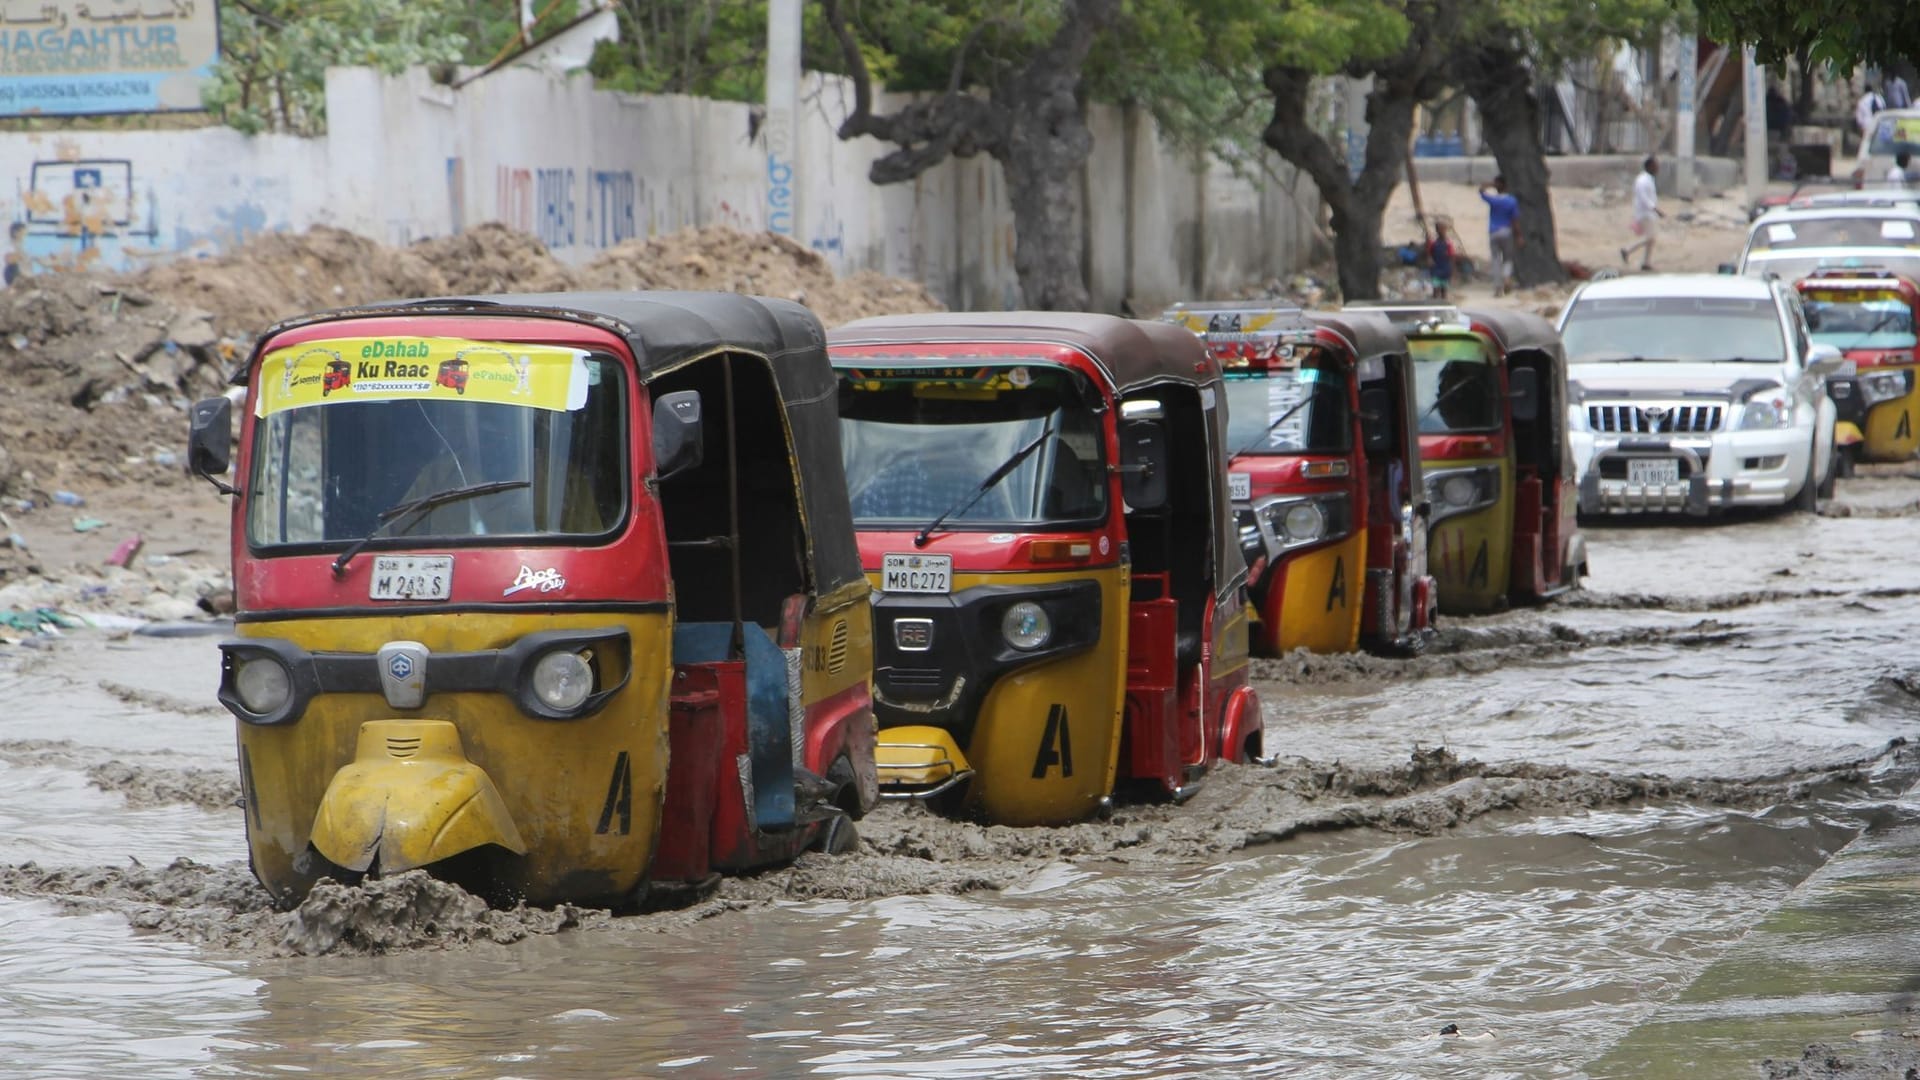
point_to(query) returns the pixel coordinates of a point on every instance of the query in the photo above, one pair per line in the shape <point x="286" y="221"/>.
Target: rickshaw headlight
<point x="1459" y="490"/>
<point x="1304" y="522"/>
<point x="562" y="680"/>
<point x="1884" y="386"/>
<point x="1026" y="626"/>
<point x="263" y="684"/>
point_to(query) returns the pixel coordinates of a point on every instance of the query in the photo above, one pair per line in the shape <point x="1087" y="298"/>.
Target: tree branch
<point x="1294" y="139"/>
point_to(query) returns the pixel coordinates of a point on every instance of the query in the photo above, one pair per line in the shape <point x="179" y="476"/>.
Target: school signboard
<point x="92" y="57"/>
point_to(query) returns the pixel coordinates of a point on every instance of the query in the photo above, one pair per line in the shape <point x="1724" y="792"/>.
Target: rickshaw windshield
<point x="1456" y="385"/>
<point x="917" y="441"/>
<point x="1860" y="319"/>
<point x="325" y="470"/>
<point x="1291" y="410"/>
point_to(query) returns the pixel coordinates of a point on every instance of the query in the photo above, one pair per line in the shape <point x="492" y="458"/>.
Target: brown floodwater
<point x="1631" y="780"/>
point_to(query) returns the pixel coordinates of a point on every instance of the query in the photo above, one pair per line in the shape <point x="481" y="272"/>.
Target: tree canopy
<point x="1838" y="32"/>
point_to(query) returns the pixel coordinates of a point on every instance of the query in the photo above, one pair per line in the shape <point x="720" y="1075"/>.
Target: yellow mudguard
<point x="410" y="798"/>
<point x="916" y="762"/>
<point x="1847" y="433"/>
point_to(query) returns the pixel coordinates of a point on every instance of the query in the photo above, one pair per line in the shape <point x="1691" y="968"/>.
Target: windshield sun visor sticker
<point x="548" y="377"/>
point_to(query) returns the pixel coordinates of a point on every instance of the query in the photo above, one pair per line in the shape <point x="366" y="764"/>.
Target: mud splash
<point x="906" y="850"/>
<point x="1875" y="1054"/>
<point x="1472" y="650"/>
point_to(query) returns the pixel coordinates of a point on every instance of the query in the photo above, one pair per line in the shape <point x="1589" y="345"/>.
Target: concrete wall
<point x="583" y="170"/>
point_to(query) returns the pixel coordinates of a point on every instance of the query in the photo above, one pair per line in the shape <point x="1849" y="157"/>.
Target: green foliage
<point x="275" y="53"/>
<point x="714" y="48"/>
<point x="1839" y="32"/>
<point x="1556" y="32"/>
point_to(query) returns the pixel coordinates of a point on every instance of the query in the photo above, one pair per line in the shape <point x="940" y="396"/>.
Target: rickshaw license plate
<point x="1653" y="471"/>
<point x="1239" y="487"/>
<point x="916" y="573"/>
<point x="412" y="577"/>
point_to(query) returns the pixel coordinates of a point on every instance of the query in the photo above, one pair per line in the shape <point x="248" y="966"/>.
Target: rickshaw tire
<point x="841" y="836"/>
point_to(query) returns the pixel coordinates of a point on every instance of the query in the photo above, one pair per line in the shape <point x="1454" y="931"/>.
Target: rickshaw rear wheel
<point x="840" y="836"/>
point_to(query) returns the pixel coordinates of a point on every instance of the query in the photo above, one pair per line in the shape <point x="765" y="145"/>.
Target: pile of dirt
<point x="716" y="257"/>
<point x="492" y="258"/>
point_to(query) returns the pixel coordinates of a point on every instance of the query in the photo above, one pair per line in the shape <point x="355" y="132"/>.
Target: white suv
<point x="1695" y="392"/>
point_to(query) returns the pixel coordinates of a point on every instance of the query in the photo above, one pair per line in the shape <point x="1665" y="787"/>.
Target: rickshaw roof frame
<point x="666" y="330"/>
<point x="1860" y="277"/>
<point x="1128" y="353"/>
<point x="1412" y="318"/>
<point x="1518" y="331"/>
<point x="1366" y="333"/>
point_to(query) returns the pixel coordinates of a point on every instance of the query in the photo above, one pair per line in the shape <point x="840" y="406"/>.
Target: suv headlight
<point x="1461" y="491"/>
<point x="1766" y="414"/>
<point x="1879" y="386"/>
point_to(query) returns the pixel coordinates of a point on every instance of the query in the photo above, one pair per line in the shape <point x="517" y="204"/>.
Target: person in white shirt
<point x="1646" y="212"/>
<point x="1863" y="111"/>
<point x="1897" y="175"/>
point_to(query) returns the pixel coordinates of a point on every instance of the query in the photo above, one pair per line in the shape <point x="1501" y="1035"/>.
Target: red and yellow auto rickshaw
<point x="598" y="622"/>
<point x="1491" y="388"/>
<point x="1869" y="315"/>
<point x="1325" y="475"/>
<point x="453" y="374"/>
<point x="339" y="376"/>
<point x="1041" y="504"/>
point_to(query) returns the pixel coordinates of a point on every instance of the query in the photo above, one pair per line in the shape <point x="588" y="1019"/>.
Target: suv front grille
<point x="1654" y="419"/>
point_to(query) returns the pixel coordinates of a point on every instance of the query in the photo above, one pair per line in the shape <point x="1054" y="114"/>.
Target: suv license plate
<point x="411" y="577"/>
<point x="916" y="573"/>
<point x="1653" y="472"/>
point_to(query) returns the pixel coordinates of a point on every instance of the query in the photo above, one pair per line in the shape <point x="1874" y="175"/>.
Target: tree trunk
<point x="1356" y="205"/>
<point x="1502" y="87"/>
<point x="1046" y="148"/>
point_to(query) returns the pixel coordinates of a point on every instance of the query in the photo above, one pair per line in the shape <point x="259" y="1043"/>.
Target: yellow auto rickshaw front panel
<point x="1470" y="555"/>
<point x="1046" y="740"/>
<point x="1323" y="597"/>
<point x="584" y="795"/>
<point x="1893" y="427"/>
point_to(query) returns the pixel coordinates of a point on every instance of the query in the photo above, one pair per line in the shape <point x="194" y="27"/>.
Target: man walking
<point x="1646" y="212"/>
<point x="1502" y="237"/>
<point x="1869" y="104"/>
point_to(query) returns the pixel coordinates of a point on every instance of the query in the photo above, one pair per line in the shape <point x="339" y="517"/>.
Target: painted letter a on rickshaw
<point x="589" y="620"/>
<point x="1492" y="416"/>
<point x="1325" y="475"/>
<point x="1869" y="316"/>
<point x="1042" y="509"/>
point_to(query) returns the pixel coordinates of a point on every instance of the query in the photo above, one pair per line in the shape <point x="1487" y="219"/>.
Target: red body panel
<point x="1462" y="447"/>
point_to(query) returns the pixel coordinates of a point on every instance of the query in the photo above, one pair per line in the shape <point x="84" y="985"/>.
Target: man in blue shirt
<point x="1502" y="237"/>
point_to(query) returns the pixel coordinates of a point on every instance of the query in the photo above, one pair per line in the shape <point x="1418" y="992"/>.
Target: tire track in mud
<point x="907" y="850"/>
<point x="1470" y="650"/>
<point x="142" y="784"/>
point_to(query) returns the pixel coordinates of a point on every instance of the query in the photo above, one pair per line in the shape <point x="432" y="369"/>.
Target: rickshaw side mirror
<point x="677" y="442"/>
<point x="1376" y="420"/>
<point x="210" y="441"/>
<point x="1143" y="464"/>
<point x="1523" y="387"/>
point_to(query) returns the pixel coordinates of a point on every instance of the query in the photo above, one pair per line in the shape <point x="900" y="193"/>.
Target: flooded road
<point x="1607" y="794"/>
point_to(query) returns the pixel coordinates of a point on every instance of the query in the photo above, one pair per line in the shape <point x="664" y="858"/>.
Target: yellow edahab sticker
<point x="410" y="368"/>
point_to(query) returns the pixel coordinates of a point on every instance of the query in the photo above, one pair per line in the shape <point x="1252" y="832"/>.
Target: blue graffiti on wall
<point x="611" y="207"/>
<point x="555" y="187"/>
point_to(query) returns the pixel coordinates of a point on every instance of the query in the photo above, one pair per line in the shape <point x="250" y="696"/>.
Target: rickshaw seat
<point x="769" y="729"/>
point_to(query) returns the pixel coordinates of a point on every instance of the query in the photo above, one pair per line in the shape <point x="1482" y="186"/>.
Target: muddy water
<point x="1625" y="783"/>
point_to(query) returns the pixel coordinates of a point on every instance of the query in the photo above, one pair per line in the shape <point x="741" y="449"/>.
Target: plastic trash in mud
<point x="68" y="498"/>
<point x="43" y="620"/>
<point x="125" y="550"/>
<point x="87" y="524"/>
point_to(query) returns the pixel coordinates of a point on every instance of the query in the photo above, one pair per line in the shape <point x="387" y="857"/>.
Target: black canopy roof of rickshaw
<point x="1368" y="334"/>
<point x="1129" y="352"/>
<point x="667" y="329"/>
<point x="1515" y="331"/>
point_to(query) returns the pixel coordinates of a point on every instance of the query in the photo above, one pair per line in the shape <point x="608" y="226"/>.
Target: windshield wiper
<point x="1283" y="418"/>
<point x="421" y="505"/>
<point x="994" y="477"/>
<point x="1457" y="387"/>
